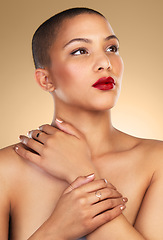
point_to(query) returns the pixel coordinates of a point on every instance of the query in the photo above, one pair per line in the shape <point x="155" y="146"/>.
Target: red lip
<point x="105" y="83"/>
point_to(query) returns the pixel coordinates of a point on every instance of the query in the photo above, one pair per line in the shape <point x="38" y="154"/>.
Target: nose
<point x="102" y="62"/>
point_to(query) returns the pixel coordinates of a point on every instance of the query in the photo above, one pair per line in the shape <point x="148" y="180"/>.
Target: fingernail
<point x="23" y="140"/>
<point x="16" y="148"/>
<point x="125" y="200"/>
<point x="58" y="120"/>
<point x="105" y="181"/>
<point x="29" y="134"/>
<point x="90" y="175"/>
<point x="122" y="207"/>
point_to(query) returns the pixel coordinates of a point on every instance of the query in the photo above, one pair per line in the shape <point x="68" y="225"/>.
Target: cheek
<point x="68" y="79"/>
<point x="67" y="75"/>
<point x="119" y="66"/>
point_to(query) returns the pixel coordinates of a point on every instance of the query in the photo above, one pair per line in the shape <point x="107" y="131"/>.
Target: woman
<point x="77" y="61"/>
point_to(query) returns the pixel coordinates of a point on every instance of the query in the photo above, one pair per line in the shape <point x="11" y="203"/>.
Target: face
<point x="85" y="51"/>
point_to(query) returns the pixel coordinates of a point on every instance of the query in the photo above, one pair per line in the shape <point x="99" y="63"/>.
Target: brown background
<point x="138" y="24"/>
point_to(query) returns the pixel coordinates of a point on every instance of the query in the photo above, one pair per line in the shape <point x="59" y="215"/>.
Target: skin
<point x="134" y="166"/>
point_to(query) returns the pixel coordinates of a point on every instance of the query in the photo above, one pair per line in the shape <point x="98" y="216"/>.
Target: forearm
<point x="118" y="228"/>
<point x="82" y="171"/>
<point x="48" y="231"/>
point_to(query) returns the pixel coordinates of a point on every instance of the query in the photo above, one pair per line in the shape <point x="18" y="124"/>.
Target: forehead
<point x="84" y="25"/>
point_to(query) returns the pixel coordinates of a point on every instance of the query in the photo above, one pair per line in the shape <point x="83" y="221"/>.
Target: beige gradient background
<point x="139" y="26"/>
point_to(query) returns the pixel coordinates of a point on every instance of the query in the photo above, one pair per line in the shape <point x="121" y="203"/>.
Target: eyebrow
<point x="86" y="40"/>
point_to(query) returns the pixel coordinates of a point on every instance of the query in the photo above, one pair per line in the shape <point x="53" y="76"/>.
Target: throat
<point x="95" y="126"/>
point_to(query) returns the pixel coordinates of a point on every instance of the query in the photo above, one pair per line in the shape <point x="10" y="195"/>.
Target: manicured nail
<point x="122" y="207"/>
<point x="23" y="139"/>
<point x="58" y="120"/>
<point x="125" y="199"/>
<point x="28" y="134"/>
<point x="16" y="148"/>
<point x="90" y="175"/>
<point x="20" y="138"/>
<point x="105" y="181"/>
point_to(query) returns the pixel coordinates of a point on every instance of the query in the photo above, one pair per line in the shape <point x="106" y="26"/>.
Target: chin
<point x="104" y="104"/>
<point x="101" y="106"/>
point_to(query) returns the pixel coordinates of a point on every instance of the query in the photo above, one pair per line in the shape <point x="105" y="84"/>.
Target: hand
<point x="62" y="152"/>
<point x="79" y="211"/>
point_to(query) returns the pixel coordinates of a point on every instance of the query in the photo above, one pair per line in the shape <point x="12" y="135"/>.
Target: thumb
<point x="67" y="128"/>
<point x="79" y="181"/>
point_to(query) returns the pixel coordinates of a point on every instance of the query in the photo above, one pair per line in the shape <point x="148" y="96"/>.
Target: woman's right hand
<point x="62" y="152"/>
<point x="84" y="206"/>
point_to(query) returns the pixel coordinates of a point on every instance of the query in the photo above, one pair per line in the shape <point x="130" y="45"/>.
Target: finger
<point x="103" y="194"/>
<point x="97" y="185"/>
<point x="106" y="205"/>
<point x="48" y="129"/>
<point x="68" y="128"/>
<point x="107" y="216"/>
<point x="31" y="143"/>
<point x="26" y="154"/>
<point x="79" y="182"/>
<point x="38" y="135"/>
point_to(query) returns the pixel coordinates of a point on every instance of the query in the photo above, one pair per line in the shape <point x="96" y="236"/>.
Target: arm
<point x="76" y="210"/>
<point x="149" y="220"/>
<point x="4" y="200"/>
<point x="125" y="229"/>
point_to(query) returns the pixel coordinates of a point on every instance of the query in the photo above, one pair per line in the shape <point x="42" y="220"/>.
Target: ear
<point x="42" y="77"/>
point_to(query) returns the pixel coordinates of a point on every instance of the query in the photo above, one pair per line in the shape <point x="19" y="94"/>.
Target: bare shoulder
<point x="13" y="167"/>
<point x="9" y="162"/>
<point x="149" y="151"/>
<point x="153" y="153"/>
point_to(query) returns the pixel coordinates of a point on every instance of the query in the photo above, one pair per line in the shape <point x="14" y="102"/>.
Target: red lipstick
<point x="105" y="83"/>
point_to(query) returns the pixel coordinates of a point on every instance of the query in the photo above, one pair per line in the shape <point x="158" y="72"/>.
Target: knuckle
<point x="50" y="141"/>
<point x="43" y="127"/>
<point x="110" y="202"/>
<point x="109" y="192"/>
<point x="107" y="216"/>
<point x="82" y="201"/>
<point x="27" y="155"/>
<point x="101" y="183"/>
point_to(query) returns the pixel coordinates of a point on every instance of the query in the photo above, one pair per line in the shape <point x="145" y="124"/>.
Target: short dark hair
<point x="45" y="35"/>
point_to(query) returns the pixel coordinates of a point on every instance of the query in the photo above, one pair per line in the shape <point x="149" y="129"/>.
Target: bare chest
<point x="36" y="195"/>
<point x="35" y="198"/>
<point x="130" y="175"/>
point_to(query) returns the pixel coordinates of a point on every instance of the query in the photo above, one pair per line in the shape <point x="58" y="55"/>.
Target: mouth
<point x="105" y="83"/>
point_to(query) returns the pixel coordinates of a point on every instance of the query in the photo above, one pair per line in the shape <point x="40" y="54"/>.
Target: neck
<point x="95" y="126"/>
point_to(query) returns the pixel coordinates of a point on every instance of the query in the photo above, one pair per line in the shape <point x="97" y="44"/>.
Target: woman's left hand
<point x="62" y="152"/>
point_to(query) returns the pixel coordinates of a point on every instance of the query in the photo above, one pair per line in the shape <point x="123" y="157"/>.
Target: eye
<point x="113" y="48"/>
<point x="79" y="51"/>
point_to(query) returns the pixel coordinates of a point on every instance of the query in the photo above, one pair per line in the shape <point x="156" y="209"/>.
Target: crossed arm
<point x="148" y="224"/>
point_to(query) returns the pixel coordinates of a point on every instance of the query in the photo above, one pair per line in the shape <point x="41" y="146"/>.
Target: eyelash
<point x="113" y="48"/>
<point x="77" y="50"/>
